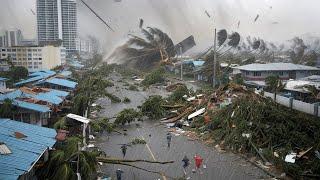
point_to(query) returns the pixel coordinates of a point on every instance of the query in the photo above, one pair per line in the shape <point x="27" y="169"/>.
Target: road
<point x="219" y="166"/>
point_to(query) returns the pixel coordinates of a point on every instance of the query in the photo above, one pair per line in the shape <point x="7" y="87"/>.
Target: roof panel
<point x="62" y="82"/>
<point x="25" y="151"/>
<point x="31" y="106"/>
<point x="275" y="67"/>
<point x="79" y="118"/>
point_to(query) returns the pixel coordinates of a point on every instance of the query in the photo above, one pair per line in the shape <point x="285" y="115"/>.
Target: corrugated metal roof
<point x="62" y="82"/>
<point x="31" y="106"/>
<point x="12" y="95"/>
<point x="33" y="79"/>
<point x="43" y="73"/>
<point x="59" y="93"/>
<point x="25" y="151"/>
<point x="275" y="67"/>
<point x="3" y="79"/>
<point x="36" y="76"/>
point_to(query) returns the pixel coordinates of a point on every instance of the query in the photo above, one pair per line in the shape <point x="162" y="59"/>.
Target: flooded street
<point x="218" y="165"/>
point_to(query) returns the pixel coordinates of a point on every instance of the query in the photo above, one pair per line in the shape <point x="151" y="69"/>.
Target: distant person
<point x="119" y="173"/>
<point x="169" y="137"/>
<point x="186" y="163"/>
<point x="198" y="160"/>
<point x="124" y="149"/>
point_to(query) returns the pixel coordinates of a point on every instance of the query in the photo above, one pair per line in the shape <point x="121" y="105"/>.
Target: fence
<point x="313" y="109"/>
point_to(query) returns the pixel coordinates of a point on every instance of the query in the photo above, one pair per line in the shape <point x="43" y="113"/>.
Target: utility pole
<point x="214" y="59"/>
<point x="181" y="66"/>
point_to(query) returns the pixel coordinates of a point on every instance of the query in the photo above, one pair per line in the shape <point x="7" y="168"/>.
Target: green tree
<point x="6" y="109"/>
<point x="148" y="51"/>
<point x="18" y="72"/>
<point x="152" y="107"/>
<point x="274" y="85"/>
<point x="127" y="116"/>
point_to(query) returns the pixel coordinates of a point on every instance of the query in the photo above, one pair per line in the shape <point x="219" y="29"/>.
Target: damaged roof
<point x="275" y="67"/>
<point x="25" y="151"/>
<point x="62" y="82"/>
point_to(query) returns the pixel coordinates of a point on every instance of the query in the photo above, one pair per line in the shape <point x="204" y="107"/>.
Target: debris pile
<point x="240" y="120"/>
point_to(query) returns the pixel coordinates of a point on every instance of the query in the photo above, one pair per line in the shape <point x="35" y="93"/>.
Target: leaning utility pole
<point x="181" y="66"/>
<point x="214" y="59"/>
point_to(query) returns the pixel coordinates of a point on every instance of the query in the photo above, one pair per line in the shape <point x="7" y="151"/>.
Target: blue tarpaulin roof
<point x="24" y="151"/>
<point x="31" y="106"/>
<point x="3" y="79"/>
<point x="62" y="82"/>
<point x="36" y="76"/>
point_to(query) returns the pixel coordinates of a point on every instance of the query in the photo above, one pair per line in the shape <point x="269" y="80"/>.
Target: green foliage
<point x="126" y="100"/>
<point x="136" y="141"/>
<point x="156" y="76"/>
<point x="133" y="88"/>
<point x="152" y="107"/>
<point x="6" y="109"/>
<point x="238" y="79"/>
<point x="61" y="164"/>
<point x="18" y="72"/>
<point x="80" y="104"/>
<point x="127" y="116"/>
<point x="101" y="125"/>
<point x="60" y="124"/>
<point x="177" y="95"/>
<point x="113" y="98"/>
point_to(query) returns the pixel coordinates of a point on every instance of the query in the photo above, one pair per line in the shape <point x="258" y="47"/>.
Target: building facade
<point x="11" y="38"/>
<point x="286" y="71"/>
<point x="83" y="45"/>
<point x="57" y="21"/>
<point x="34" y="58"/>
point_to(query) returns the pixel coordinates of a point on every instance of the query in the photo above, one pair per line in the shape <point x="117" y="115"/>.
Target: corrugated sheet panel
<point x="62" y="82"/>
<point x="25" y="151"/>
<point x="31" y="106"/>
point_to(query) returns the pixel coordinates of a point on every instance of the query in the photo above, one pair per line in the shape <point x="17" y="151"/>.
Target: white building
<point x="35" y="58"/>
<point x="83" y="45"/>
<point x="57" y="20"/>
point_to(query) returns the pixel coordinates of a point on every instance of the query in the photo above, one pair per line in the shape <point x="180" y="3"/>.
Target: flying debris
<point x="234" y="39"/>
<point x="255" y="19"/>
<point x="222" y="36"/>
<point x="32" y="12"/>
<point x="104" y="22"/>
<point x="186" y="44"/>
<point x="238" y="24"/>
<point x="256" y="44"/>
<point x="207" y="13"/>
<point x="141" y="23"/>
<point x="270" y="7"/>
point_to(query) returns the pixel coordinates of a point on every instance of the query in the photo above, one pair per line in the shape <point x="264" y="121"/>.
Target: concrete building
<point x="83" y="45"/>
<point x="286" y="71"/>
<point x="57" y="20"/>
<point x="35" y="58"/>
<point x="11" y="38"/>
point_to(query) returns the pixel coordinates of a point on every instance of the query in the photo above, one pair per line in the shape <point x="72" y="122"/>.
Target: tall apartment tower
<point x="57" y="20"/>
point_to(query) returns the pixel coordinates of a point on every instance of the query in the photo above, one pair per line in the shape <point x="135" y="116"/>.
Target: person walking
<point x="186" y="163"/>
<point x="169" y="137"/>
<point x="124" y="149"/>
<point x="198" y="161"/>
<point x="119" y="174"/>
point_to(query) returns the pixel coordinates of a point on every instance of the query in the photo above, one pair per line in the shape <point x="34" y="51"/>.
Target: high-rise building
<point x="11" y="38"/>
<point x="57" y="21"/>
<point x="83" y="45"/>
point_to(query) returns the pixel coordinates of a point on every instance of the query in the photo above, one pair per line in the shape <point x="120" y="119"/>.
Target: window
<point x="247" y="73"/>
<point x="280" y="73"/>
<point x="256" y="73"/>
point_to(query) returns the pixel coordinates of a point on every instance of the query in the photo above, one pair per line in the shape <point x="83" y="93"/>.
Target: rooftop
<point x="275" y="67"/>
<point x="24" y="151"/>
<point x="62" y="82"/>
<point x="3" y="79"/>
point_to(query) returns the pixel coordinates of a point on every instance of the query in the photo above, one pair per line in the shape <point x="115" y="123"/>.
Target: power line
<point x="97" y="15"/>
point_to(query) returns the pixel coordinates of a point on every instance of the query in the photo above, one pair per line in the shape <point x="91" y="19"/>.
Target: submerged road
<point x="219" y="166"/>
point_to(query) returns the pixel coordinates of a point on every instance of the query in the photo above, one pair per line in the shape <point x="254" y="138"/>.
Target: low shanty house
<point x="35" y="106"/>
<point x="34" y="77"/>
<point x="58" y="84"/>
<point x="286" y="71"/>
<point x="23" y="149"/>
<point x="77" y="125"/>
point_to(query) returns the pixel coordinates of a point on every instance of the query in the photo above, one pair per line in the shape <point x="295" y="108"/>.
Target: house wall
<point x="284" y="75"/>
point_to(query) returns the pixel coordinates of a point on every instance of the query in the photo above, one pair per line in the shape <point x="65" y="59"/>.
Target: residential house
<point x="286" y="71"/>
<point x="23" y="148"/>
<point x="58" y="83"/>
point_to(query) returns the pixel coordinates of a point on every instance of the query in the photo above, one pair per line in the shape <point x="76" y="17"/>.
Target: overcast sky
<point x="180" y="18"/>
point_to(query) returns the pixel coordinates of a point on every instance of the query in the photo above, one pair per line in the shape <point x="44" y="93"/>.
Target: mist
<point x="279" y="20"/>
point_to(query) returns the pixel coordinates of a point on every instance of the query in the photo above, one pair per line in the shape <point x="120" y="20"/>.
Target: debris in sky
<point x="270" y="7"/>
<point x="222" y="36"/>
<point x="238" y="24"/>
<point x="141" y="23"/>
<point x="255" y="19"/>
<point x="256" y="44"/>
<point x="186" y="44"/>
<point x="207" y="13"/>
<point x="234" y="39"/>
<point x="32" y="12"/>
<point x="97" y="15"/>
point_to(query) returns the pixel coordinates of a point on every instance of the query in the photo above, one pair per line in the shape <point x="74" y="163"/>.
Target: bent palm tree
<point x="145" y="52"/>
<point x="274" y="85"/>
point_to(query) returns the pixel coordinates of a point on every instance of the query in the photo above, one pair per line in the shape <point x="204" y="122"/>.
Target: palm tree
<point x="274" y="85"/>
<point x="144" y="52"/>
